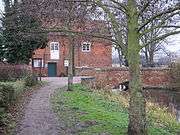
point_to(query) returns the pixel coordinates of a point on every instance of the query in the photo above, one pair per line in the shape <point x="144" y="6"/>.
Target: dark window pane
<point x="52" y="46"/>
<point x="56" y="47"/>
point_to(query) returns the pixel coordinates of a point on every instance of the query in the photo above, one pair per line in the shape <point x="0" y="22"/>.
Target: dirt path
<point x="39" y="118"/>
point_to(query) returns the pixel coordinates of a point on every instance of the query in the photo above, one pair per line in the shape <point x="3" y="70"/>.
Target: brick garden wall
<point x="113" y="76"/>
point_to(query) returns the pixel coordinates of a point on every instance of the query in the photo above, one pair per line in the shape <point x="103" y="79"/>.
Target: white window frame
<point x="37" y="61"/>
<point x="84" y="47"/>
<point x="52" y="46"/>
<point x="54" y="50"/>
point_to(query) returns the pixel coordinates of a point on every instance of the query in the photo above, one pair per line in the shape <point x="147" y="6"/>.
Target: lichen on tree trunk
<point x="137" y="112"/>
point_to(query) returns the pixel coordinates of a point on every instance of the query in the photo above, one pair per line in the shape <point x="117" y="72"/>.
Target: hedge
<point x="6" y="98"/>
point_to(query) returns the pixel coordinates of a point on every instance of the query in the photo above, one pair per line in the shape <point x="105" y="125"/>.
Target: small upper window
<point x="86" y="47"/>
<point x="54" y="46"/>
<point x="38" y="62"/>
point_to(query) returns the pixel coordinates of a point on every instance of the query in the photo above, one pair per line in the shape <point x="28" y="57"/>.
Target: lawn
<point x="84" y="112"/>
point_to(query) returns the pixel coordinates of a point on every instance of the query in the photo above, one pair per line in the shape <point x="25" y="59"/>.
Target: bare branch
<point x="67" y="31"/>
<point x="144" y="8"/>
<point x="114" y="24"/>
<point x="161" y="37"/>
<point x="123" y="7"/>
<point x="156" y="27"/>
<point x="169" y="10"/>
<point x="115" y="7"/>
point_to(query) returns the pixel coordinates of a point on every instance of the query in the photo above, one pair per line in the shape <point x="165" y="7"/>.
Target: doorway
<point x="52" y="69"/>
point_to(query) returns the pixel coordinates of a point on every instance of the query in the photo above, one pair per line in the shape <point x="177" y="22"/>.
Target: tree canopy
<point x="19" y="35"/>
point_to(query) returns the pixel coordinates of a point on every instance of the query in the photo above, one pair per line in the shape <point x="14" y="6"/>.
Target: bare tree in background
<point x="150" y="50"/>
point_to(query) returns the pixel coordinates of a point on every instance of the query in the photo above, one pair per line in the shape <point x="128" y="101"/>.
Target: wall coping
<point x="122" y="68"/>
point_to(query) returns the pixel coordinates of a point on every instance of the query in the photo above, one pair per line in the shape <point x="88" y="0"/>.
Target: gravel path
<point x="39" y="118"/>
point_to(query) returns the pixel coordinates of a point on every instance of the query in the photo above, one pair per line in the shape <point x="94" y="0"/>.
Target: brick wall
<point x="99" y="56"/>
<point x="113" y="76"/>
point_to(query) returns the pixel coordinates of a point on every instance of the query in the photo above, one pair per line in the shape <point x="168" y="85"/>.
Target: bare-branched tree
<point x="138" y="20"/>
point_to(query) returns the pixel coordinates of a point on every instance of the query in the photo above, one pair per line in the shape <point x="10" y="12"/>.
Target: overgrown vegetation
<point x="9" y="92"/>
<point x="13" y="72"/>
<point x="175" y="75"/>
<point x="30" y="79"/>
<point x="88" y="112"/>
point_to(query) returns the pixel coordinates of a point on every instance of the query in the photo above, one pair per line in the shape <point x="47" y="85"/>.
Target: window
<point x="86" y="47"/>
<point x="54" y="46"/>
<point x="38" y="63"/>
<point x="54" y="50"/>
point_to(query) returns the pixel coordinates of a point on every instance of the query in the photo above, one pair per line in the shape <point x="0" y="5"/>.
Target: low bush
<point x="2" y="116"/>
<point x="30" y="79"/>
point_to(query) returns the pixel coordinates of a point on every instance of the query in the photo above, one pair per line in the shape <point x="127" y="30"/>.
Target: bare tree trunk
<point x="120" y="57"/>
<point x="71" y="63"/>
<point x="137" y="112"/>
<point x="146" y="56"/>
<point x="151" y="58"/>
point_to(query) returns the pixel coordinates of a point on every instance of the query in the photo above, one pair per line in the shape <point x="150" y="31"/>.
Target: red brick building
<point x="51" y="61"/>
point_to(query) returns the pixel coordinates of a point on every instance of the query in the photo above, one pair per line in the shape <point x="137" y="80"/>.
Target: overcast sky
<point x="174" y="41"/>
<point x="1" y="5"/>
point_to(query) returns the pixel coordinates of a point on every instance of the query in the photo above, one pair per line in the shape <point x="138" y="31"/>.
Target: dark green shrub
<point x="2" y="110"/>
<point x="30" y="79"/>
<point x="2" y="116"/>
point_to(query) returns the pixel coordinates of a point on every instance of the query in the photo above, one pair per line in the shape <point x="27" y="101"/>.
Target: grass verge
<point x="84" y="112"/>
